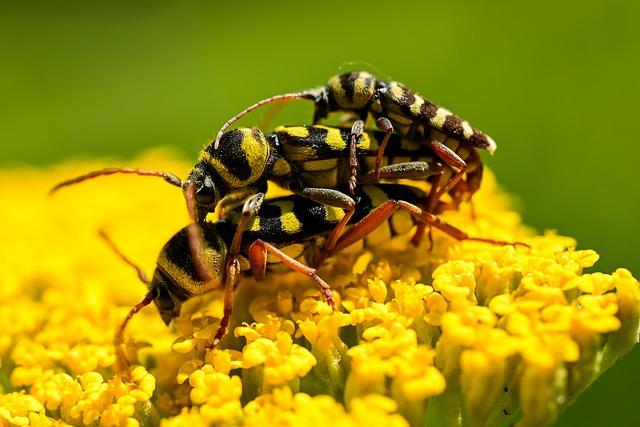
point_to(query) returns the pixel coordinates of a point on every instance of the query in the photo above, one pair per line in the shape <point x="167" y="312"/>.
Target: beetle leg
<point x="232" y="275"/>
<point x="385" y="125"/>
<point x="249" y="210"/>
<point x="326" y="196"/>
<point x="354" y="138"/>
<point x="452" y="159"/>
<point x="412" y="170"/>
<point x="408" y="170"/>
<point x="336" y="198"/>
<point x="258" y="252"/>
<point x="232" y="268"/>
<point x="232" y="265"/>
<point x="432" y="199"/>
<point x="384" y="211"/>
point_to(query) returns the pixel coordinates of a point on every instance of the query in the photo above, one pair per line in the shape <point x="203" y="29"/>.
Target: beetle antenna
<point x="271" y="100"/>
<point x="118" y="339"/>
<point x="121" y="359"/>
<point x="194" y="235"/>
<point x="167" y="176"/>
<point x="141" y="274"/>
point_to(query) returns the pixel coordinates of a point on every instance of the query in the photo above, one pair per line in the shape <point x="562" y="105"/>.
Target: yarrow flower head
<point x="464" y="332"/>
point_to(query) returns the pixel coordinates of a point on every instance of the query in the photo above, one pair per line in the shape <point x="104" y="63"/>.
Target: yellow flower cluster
<point x="465" y="332"/>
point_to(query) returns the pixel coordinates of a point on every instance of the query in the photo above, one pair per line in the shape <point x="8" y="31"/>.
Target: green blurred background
<point x="555" y="83"/>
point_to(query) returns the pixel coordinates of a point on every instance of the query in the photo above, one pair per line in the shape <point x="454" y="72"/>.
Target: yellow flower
<point x="19" y="409"/>
<point x="283" y="408"/>
<point x="465" y="333"/>
<point x="218" y="394"/>
<point x="278" y="360"/>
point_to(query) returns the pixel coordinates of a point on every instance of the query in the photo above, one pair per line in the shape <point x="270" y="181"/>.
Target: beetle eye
<point x="206" y="194"/>
<point x="163" y="299"/>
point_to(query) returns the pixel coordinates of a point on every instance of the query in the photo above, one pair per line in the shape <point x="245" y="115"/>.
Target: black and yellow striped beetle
<point x="395" y="107"/>
<point x="362" y="93"/>
<point x="308" y="160"/>
<point x="241" y="243"/>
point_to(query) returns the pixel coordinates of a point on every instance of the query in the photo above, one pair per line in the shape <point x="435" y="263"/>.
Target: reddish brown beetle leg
<point x="258" y="259"/>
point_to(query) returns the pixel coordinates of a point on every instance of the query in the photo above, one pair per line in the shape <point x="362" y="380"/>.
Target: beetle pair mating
<point x="333" y="174"/>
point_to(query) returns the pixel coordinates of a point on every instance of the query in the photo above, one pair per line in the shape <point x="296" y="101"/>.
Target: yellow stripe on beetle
<point x="438" y="120"/>
<point x="417" y="105"/>
<point x="294" y="131"/>
<point x="256" y="151"/>
<point x="363" y="89"/>
<point x="319" y="165"/>
<point x="467" y="130"/>
<point x="253" y="149"/>
<point x="281" y="167"/>
<point x="332" y="214"/>
<point x="366" y="143"/>
<point x="290" y="223"/>
<point x="396" y="90"/>
<point x="338" y="91"/>
<point x="334" y="138"/>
